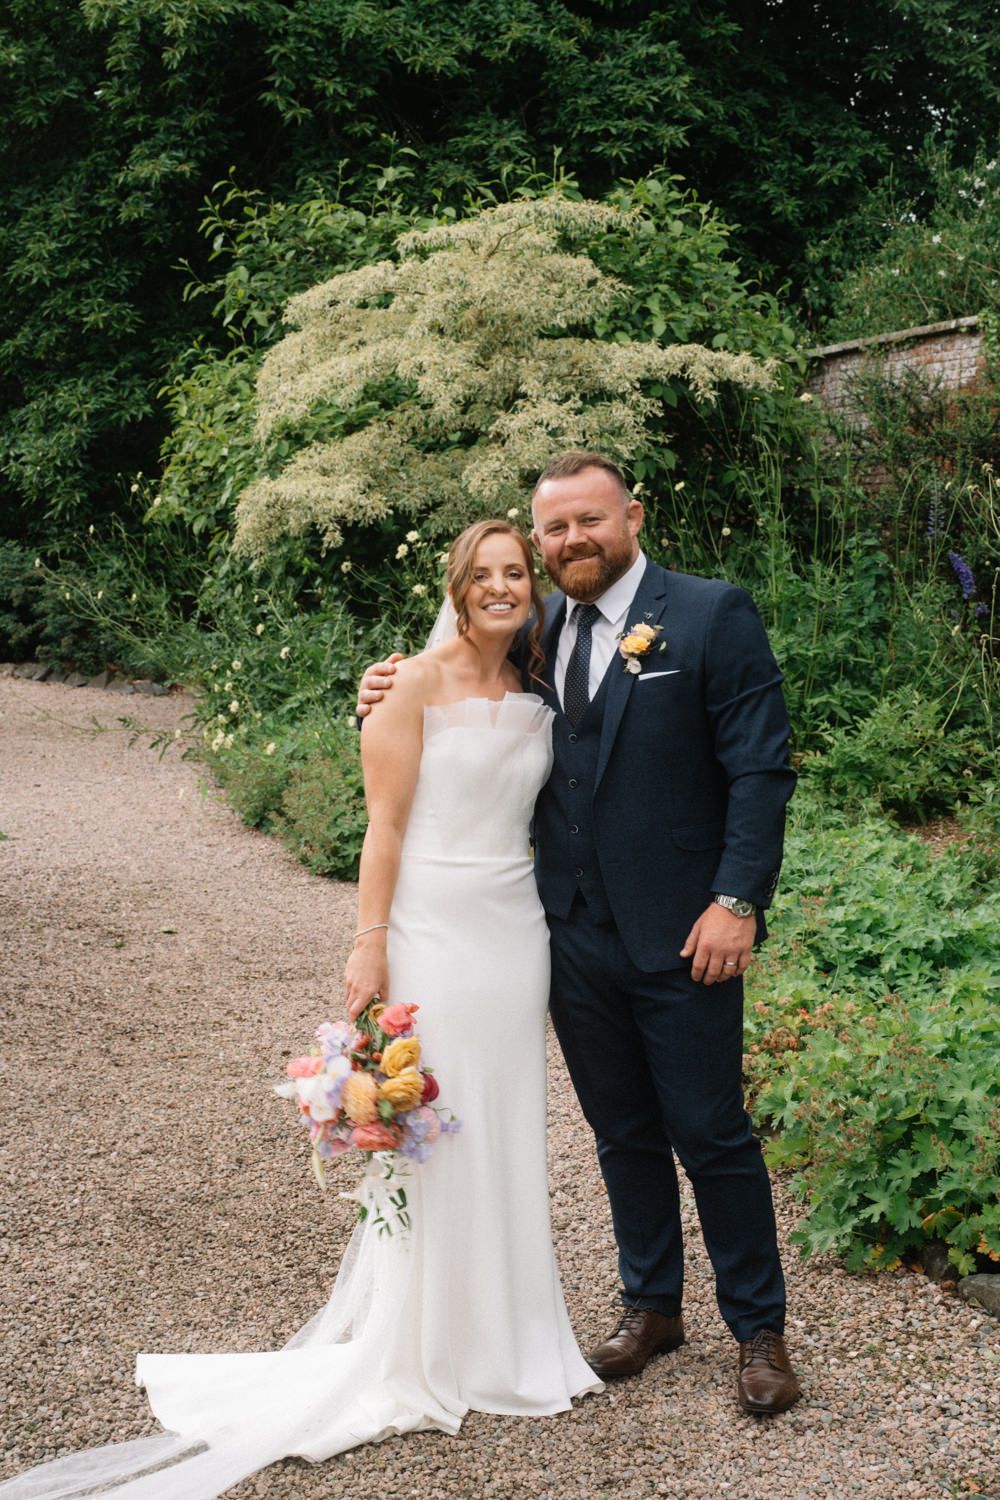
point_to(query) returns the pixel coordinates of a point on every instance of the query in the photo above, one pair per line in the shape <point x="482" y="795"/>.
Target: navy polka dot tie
<point x="576" y="689"/>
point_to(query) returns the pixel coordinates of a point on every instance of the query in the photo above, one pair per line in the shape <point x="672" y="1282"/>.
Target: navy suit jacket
<point x="692" y="773"/>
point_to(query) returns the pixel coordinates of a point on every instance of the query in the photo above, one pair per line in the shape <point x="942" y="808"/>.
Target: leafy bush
<point x="935" y="257"/>
<point x="323" y="816"/>
<point x="304" y="785"/>
<point x="904" y="755"/>
<point x="18" y="590"/>
<point x="874" y="1043"/>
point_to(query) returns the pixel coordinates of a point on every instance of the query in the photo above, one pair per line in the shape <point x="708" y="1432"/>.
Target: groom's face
<point x="586" y="529"/>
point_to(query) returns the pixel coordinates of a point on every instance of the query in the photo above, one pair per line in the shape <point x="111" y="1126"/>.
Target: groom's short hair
<point x="577" y="459"/>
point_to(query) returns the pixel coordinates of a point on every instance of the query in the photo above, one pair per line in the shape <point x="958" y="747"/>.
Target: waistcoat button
<point x="573" y="828"/>
<point x="573" y="781"/>
<point x="572" y="739"/>
<point x="579" y="871"/>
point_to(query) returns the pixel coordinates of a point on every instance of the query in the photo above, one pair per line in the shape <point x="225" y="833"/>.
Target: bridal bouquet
<point x="364" y="1088"/>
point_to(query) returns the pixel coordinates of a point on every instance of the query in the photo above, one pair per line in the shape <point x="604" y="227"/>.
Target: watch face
<point x="736" y="905"/>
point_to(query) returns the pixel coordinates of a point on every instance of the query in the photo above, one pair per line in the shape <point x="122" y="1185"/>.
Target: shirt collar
<point x="615" y="601"/>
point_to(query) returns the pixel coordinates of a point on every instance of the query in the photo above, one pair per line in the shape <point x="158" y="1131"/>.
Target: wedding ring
<point x="728" y="965"/>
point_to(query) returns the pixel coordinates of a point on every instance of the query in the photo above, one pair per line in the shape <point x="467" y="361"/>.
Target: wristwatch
<point x="735" y="904"/>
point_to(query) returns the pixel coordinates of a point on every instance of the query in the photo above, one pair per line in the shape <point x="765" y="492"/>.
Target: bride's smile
<point x="500" y="586"/>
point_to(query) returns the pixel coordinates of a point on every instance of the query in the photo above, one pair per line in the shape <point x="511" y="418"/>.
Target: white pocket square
<point x="648" y="676"/>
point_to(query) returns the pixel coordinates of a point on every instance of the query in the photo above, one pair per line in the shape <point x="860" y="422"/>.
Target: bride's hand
<point x="376" y="683"/>
<point x="366" y="975"/>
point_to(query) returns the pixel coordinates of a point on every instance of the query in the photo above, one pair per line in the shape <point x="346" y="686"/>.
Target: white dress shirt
<point x="613" y="605"/>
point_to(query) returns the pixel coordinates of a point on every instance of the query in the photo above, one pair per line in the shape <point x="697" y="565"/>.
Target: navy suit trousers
<point x="656" y="1061"/>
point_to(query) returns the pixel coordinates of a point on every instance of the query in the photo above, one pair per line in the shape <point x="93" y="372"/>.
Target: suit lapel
<point x="649" y="605"/>
<point x="555" y="614"/>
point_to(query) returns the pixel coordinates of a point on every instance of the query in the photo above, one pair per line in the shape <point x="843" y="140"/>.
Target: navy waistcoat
<point x="565" y="836"/>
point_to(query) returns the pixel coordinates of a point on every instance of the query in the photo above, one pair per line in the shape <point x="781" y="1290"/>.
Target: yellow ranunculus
<point x="648" y="632"/>
<point x="404" y="1052"/>
<point x="359" y="1099"/>
<point x="635" y="644"/>
<point x="403" y="1091"/>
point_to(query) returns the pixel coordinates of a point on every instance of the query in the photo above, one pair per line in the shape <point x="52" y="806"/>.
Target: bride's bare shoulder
<point x="416" y="682"/>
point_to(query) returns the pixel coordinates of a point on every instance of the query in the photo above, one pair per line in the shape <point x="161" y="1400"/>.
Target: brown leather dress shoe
<point x="766" y="1381"/>
<point x="640" y="1334"/>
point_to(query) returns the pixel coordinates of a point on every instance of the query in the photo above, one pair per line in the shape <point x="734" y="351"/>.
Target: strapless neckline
<point x="524" y="713"/>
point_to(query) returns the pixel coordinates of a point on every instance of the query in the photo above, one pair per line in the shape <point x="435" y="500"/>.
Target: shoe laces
<point x="629" y="1319"/>
<point x="763" y="1346"/>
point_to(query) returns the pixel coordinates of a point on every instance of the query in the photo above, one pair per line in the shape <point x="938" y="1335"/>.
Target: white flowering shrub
<point x="472" y="358"/>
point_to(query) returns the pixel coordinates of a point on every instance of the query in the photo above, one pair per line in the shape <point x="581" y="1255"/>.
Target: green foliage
<point x="936" y="255"/>
<point x="914" y="428"/>
<point x="323" y="817"/>
<point x="874" y="1044"/>
<point x="304" y="785"/>
<point x="262" y="254"/>
<point x="18" y="587"/>
<point x="427" y="387"/>
<point x="121" y="115"/>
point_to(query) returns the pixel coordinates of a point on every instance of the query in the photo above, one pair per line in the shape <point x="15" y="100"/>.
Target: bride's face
<point x="499" y="596"/>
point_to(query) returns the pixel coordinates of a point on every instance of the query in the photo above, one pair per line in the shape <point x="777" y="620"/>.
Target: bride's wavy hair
<point x="461" y="566"/>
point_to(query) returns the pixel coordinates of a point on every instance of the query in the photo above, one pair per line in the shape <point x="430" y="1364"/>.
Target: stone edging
<point x="111" y="682"/>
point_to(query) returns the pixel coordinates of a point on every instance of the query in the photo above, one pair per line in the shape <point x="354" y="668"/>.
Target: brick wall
<point x="949" y="353"/>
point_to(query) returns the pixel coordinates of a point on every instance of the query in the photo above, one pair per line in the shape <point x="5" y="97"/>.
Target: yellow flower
<point x="635" y="644"/>
<point x="648" y="632"/>
<point x="359" y="1099"/>
<point x="404" y="1052"/>
<point x="403" y="1091"/>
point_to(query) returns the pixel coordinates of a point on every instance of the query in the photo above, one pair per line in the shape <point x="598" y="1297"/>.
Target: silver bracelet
<point x="373" y="928"/>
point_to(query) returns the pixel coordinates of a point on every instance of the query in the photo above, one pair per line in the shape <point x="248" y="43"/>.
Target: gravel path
<point x="159" y="961"/>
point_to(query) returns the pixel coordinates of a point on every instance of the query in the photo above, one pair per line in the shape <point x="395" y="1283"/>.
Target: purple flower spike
<point x="964" y="575"/>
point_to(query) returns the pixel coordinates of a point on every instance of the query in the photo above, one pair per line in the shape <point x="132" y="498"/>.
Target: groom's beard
<point x="586" y="575"/>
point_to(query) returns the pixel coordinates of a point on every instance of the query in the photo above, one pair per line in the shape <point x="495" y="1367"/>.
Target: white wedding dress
<point x="466" y="1310"/>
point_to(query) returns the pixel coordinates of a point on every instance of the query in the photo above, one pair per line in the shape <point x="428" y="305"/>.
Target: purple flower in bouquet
<point x="333" y="1037"/>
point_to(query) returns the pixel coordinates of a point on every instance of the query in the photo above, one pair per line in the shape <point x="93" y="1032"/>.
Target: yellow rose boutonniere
<point x="638" y="641"/>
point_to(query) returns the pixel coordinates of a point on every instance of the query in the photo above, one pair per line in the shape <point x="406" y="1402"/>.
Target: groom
<point x="658" y="840"/>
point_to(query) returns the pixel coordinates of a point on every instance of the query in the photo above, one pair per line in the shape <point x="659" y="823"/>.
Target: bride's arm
<point x="391" y="744"/>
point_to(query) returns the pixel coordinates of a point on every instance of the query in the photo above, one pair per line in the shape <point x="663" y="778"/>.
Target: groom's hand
<point x="375" y="684"/>
<point x="720" y="945"/>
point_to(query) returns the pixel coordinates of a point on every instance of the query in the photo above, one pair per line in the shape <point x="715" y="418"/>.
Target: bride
<point x="465" y="1310"/>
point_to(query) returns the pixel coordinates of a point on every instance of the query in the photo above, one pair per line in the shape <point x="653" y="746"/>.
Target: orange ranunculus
<point x="375" y="1137"/>
<point x="648" y="632"/>
<point x="403" y="1091"/>
<point x="404" y="1052"/>
<point x="359" y="1099"/>
<point x="396" y="1019"/>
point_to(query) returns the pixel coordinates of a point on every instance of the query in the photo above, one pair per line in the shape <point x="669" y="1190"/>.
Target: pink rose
<point x="374" y="1138"/>
<point x="395" y="1020"/>
<point x="304" y="1067"/>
